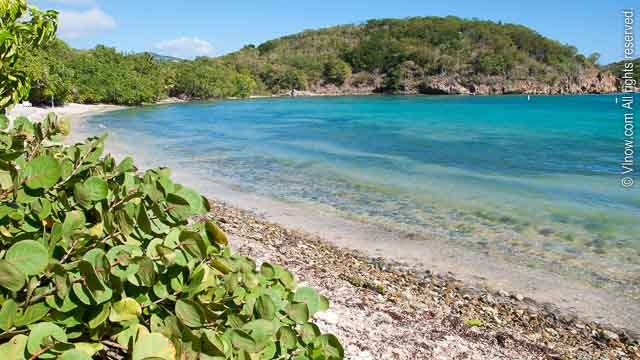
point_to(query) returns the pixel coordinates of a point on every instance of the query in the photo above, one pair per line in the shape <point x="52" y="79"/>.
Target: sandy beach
<point x="69" y="111"/>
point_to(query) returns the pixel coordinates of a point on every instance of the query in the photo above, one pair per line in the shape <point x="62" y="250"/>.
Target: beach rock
<point x="518" y="297"/>
<point x="609" y="335"/>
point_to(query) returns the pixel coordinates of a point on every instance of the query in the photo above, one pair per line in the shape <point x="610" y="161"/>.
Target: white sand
<point x="69" y="111"/>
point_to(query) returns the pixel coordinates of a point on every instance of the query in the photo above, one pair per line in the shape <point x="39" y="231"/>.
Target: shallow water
<point x="532" y="182"/>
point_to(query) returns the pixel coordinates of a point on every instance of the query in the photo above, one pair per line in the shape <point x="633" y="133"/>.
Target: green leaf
<point x="153" y="346"/>
<point x="4" y="121"/>
<point x="100" y="316"/>
<point x="146" y="272"/>
<point x="243" y="341"/>
<point x="190" y="313"/>
<point x="97" y="188"/>
<point x="74" y="355"/>
<point x="14" y="348"/>
<point x="215" y="234"/>
<point x="32" y="314"/>
<point x="89" y="348"/>
<point x="8" y="314"/>
<point x="11" y="278"/>
<point x="287" y="338"/>
<point x="124" y="310"/>
<point x="298" y="313"/>
<point x="309" y="332"/>
<point x="43" y="335"/>
<point x="31" y="257"/>
<point x="262" y="331"/>
<point x="310" y="297"/>
<point x="265" y="307"/>
<point x="73" y="220"/>
<point x="220" y="343"/>
<point x="331" y="347"/>
<point x="42" y="172"/>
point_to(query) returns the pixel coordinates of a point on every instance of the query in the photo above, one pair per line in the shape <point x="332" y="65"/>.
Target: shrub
<point x="336" y="72"/>
<point x="96" y="257"/>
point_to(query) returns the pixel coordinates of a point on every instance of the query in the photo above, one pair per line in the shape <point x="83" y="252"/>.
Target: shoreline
<point x="381" y="310"/>
<point x="71" y="111"/>
<point x="365" y="285"/>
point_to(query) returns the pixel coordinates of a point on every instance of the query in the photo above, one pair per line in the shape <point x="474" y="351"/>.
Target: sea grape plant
<point x="99" y="260"/>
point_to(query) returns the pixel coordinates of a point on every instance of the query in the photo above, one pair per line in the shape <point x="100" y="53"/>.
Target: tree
<point x="336" y="71"/>
<point x="594" y="58"/>
<point x="21" y="26"/>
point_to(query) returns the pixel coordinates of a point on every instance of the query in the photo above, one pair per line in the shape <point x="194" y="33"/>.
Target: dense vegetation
<point x="429" y="46"/>
<point x="99" y="260"/>
<point x="617" y="68"/>
<point x="379" y="54"/>
<point x="104" y="75"/>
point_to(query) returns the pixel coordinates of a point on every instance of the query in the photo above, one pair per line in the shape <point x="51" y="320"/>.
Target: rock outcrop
<point x="588" y="81"/>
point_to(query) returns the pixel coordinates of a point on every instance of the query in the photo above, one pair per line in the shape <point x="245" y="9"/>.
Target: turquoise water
<point x="536" y="182"/>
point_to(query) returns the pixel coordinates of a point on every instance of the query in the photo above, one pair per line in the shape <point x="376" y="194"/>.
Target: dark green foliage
<point x="206" y="78"/>
<point x="336" y="71"/>
<point x="103" y="75"/>
<point x="434" y="46"/>
<point x="20" y="28"/>
<point x="92" y="253"/>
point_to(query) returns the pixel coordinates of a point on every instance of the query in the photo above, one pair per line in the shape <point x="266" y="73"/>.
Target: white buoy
<point x="528" y="97"/>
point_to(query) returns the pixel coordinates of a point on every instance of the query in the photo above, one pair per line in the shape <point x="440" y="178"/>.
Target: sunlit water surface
<point x="534" y="182"/>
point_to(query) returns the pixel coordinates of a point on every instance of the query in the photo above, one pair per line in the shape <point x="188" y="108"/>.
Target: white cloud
<point x="75" y="24"/>
<point x="185" y="47"/>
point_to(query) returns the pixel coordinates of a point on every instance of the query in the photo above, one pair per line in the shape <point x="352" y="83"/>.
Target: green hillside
<point x="415" y="48"/>
<point x="431" y="55"/>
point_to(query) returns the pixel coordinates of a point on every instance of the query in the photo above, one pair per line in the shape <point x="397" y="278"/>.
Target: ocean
<point x="530" y="182"/>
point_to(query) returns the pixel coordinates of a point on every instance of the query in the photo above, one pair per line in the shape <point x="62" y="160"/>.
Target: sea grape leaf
<point x="215" y="234"/>
<point x="97" y="188"/>
<point x="99" y="316"/>
<point x="153" y="346"/>
<point x="125" y="310"/>
<point x="89" y="349"/>
<point x="30" y="256"/>
<point x="42" y="172"/>
<point x="74" y="355"/>
<point x="190" y="313"/>
<point x="243" y="341"/>
<point x="8" y="314"/>
<point x="265" y="307"/>
<point x="11" y="278"/>
<point x="298" y="313"/>
<point x="309" y="332"/>
<point x="287" y="338"/>
<point x="43" y="333"/>
<point x="32" y="314"/>
<point x="14" y="348"/>
<point x="331" y="347"/>
<point x="310" y="297"/>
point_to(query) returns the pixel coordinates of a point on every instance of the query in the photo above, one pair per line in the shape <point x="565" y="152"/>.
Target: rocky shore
<point x="588" y="81"/>
<point x="384" y="310"/>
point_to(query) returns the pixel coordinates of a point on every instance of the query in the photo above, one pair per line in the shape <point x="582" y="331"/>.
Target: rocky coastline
<point x="386" y="310"/>
<point x="588" y="81"/>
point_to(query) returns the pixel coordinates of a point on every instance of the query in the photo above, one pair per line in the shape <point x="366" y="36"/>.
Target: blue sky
<point x="213" y="27"/>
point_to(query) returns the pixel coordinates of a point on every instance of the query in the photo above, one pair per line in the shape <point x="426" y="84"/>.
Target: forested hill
<point x="423" y="54"/>
<point x="430" y="55"/>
